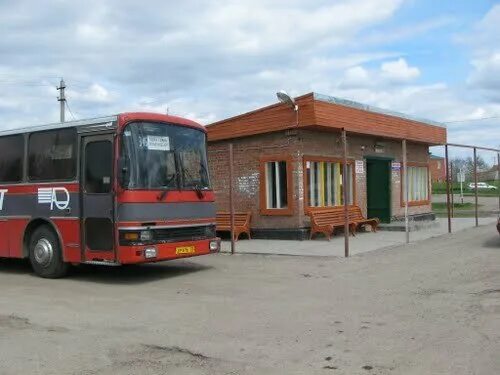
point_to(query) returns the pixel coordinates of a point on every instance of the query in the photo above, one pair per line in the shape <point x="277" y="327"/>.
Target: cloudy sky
<point x="211" y="59"/>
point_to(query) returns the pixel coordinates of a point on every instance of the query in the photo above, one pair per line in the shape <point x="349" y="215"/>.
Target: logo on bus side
<point x="2" y="196"/>
<point x="57" y="196"/>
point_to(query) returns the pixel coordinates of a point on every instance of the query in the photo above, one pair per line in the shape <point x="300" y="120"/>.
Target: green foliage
<point x="439" y="206"/>
<point x="440" y="188"/>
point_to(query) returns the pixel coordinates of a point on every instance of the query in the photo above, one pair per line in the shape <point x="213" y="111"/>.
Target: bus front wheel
<point x="45" y="254"/>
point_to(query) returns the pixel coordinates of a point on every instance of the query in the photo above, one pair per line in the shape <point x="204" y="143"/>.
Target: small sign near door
<point x="360" y="167"/>
<point x="396" y="166"/>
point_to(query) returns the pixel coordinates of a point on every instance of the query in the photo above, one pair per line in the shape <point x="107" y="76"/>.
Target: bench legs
<point x="240" y="232"/>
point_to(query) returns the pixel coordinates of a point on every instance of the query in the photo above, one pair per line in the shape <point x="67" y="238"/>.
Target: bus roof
<point x="122" y="118"/>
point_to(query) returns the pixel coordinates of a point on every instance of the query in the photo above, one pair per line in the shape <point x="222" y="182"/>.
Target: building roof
<point x="437" y="157"/>
<point x="328" y="113"/>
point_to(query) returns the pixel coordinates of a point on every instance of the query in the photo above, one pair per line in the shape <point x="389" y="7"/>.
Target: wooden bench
<point x="356" y="216"/>
<point x="325" y="220"/>
<point x="241" y="223"/>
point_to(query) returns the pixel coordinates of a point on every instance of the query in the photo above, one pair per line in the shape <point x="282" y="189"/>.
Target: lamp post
<point x="287" y="99"/>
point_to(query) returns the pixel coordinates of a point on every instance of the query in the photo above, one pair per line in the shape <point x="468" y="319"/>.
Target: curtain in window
<point x="325" y="184"/>
<point x="418" y="184"/>
<point x="276" y="184"/>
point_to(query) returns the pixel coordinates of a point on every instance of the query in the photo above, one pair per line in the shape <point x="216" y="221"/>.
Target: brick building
<point x="437" y="167"/>
<point x="286" y="162"/>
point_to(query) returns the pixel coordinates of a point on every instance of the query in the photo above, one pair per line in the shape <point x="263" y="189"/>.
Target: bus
<point x="125" y="189"/>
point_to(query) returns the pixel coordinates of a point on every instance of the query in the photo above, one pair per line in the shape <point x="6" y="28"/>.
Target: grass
<point x="439" y="206"/>
<point x="440" y="188"/>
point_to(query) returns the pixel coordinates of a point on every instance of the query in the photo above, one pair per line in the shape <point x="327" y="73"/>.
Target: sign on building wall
<point x="360" y="167"/>
<point x="396" y="166"/>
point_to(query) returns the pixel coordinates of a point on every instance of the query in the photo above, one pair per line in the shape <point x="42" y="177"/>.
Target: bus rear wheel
<point x="45" y="254"/>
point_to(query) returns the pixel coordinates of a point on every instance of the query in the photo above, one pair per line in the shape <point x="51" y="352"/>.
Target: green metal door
<point x="378" y="189"/>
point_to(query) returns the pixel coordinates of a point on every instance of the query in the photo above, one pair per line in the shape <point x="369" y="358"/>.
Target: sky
<point x="208" y="60"/>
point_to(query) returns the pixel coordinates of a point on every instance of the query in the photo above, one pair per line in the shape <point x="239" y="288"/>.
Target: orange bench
<point x="241" y="223"/>
<point x="356" y="216"/>
<point x="325" y="220"/>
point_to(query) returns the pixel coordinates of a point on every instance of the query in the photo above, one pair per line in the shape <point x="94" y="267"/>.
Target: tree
<point x="467" y="166"/>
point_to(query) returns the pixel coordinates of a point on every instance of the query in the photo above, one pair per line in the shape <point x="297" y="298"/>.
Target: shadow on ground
<point x="493" y="242"/>
<point x="128" y="274"/>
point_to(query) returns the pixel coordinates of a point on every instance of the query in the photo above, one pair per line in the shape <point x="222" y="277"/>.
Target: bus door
<point x="97" y="198"/>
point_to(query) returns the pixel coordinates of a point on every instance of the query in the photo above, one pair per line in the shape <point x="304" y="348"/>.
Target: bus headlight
<point x="214" y="246"/>
<point x="146" y="235"/>
<point x="150" y="252"/>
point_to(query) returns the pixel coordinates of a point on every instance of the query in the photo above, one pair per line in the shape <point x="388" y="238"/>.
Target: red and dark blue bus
<point x="130" y="188"/>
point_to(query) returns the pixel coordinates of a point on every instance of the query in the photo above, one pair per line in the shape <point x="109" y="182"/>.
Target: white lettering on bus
<point x="2" y="196"/>
<point x="49" y="196"/>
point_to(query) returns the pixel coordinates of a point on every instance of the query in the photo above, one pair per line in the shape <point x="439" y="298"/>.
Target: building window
<point x="276" y="186"/>
<point x="324" y="183"/>
<point x="418" y="184"/>
<point x="52" y="155"/>
<point x="11" y="158"/>
<point x="276" y="189"/>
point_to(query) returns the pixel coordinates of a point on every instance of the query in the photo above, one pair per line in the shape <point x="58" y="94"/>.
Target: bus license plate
<point x="185" y="250"/>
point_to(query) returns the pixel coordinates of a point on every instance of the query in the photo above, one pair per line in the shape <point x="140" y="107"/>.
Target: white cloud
<point x="212" y="59"/>
<point x="356" y="76"/>
<point x="95" y="93"/>
<point x="389" y="73"/>
<point x="399" y="71"/>
<point x="486" y="73"/>
<point x="484" y="42"/>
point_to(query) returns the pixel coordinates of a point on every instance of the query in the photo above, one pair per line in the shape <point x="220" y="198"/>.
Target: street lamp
<point x="287" y="99"/>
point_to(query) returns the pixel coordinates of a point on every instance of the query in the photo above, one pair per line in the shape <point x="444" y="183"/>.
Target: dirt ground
<point x="429" y="308"/>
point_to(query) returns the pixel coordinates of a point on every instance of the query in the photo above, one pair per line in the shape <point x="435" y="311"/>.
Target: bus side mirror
<point x="123" y="172"/>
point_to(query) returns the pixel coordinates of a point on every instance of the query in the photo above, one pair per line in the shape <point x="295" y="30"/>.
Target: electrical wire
<point x="69" y="110"/>
<point x="472" y="119"/>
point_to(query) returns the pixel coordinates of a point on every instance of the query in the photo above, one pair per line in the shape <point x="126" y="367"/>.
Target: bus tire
<point x="45" y="254"/>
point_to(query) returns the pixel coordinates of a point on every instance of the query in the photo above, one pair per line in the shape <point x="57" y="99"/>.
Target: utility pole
<point x="62" y="99"/>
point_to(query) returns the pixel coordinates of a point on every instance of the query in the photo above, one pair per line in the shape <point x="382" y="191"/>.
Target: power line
<point x="70" y="111"/>
<point x="473" y="119"/>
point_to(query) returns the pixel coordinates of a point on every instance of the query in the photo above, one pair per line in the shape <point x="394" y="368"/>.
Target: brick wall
<point x="437" y="168"/>
<point x="297" y="143"/>
<point x="329" y="144"/>
<point x="246" y="153"/>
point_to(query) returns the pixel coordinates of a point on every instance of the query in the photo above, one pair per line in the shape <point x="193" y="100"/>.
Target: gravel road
<point x="429" y="308"/>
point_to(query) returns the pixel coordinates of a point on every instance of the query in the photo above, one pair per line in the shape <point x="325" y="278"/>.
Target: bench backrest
<point x="355" y="213"/>
<point x="334" y="215"/>
<point x="240" y="218"/>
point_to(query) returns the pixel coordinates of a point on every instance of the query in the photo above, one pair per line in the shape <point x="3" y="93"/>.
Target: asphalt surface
<point x="428" y="308"/>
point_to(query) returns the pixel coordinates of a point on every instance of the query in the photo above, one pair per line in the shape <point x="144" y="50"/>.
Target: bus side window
<point x="11" y="158"/>
<point x="98" y="167"/>
<point x="52" y="155"/>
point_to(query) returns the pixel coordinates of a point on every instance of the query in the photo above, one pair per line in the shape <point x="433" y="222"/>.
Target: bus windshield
<point x="164" y="156"/>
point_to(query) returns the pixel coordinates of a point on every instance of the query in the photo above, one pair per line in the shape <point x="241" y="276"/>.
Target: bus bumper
<point x="167" y="251"/>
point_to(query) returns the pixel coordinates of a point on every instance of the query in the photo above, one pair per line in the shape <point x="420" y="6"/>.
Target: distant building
<point x="488" y="175"/>
<point x="287" y="163"/>
<point x="437" y="167"/>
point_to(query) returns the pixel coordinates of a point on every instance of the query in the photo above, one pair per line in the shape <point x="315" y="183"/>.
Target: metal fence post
<point x="452" y="192"/>
<point x="405" y="191"/>
<point x="447" y="187"/>
<point x="476" y="213"/>
<point x="498" y="180"/>
<point x="231" y="200"/>
<point x="344" y="188"/>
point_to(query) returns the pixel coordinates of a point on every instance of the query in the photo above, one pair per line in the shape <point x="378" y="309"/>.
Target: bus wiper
<point x="164" y="193"/>
<point x="196" y="187"/>
<point x="198" y="191"/>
